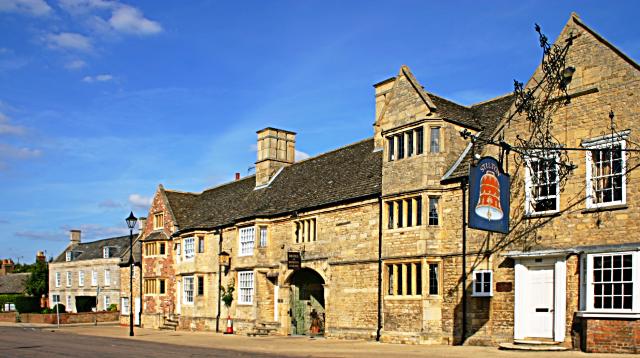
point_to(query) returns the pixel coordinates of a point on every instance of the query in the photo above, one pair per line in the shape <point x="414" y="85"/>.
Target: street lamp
<point x="131" y="223"/>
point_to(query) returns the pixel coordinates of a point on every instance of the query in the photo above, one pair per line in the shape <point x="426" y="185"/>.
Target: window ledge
<point x="607" y="315"/>
<point x="403" y="298"/>
<point x="482" y="295"/>
<point x="605" y="208"/>
<point x="551" y="214"/>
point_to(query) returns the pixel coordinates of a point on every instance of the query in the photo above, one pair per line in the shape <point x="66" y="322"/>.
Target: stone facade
<point x="389" y="265"/>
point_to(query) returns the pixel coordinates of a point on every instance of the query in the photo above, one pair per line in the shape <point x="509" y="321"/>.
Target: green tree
<point x="38" y="282"/>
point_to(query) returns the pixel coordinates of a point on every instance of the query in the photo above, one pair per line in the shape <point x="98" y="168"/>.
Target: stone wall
<point x="65" y="318"/>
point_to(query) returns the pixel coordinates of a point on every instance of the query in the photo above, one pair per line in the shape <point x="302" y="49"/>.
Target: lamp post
<point x="131" y="223"/>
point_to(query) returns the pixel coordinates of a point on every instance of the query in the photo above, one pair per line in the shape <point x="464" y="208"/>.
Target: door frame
<point x="559" y="265"/>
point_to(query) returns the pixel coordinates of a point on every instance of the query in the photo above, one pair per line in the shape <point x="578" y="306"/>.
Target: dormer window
<point x="68" y="256"/>
<point x="158" y="221"/>
<point x="105" y="252"/>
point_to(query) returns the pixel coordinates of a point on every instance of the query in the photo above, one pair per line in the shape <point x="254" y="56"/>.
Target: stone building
<point x="378" y="226"/>
<point x="126" y="274"/>
<point x="87" y="271"/>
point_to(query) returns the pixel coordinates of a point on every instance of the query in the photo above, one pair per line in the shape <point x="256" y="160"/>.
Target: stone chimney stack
<point x="276" y="149"/>
<point x="40" y="256"/>
<point x="75" y="237"/>
<point x="382" y="90"/>
<point x="142" y="223"/>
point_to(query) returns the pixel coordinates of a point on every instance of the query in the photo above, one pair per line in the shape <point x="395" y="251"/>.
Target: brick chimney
<point x="237" y="176"/>
<point x="276" y="149"/>
<point x="40" y="256"/>
<point x="7" y="267"/>
<point x="75" y="237"/>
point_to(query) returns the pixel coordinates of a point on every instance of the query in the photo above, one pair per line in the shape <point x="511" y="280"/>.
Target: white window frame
<point x="482" y="293"/>
<point x="55" y="299"/>
<point x="590" y="284"/>
<point x="188" y="287"/>
<point x="107" y="277"/>
<point x="529" y="199"/>
<point x="246" y="240"/>
<point x="94" y="278"/>
<point x="68" y="256"/>
<point x="105" y="252"/>
<point x="81" y="278"/>
<point x="245" y="287"/>
<point x="124" y="309"/>
<point x="263" y="236"/>
<point x="68" y="304"/>
<point x="107" y="302"/>
<point x="189" y="247"/>
<point x="58" y="279"/>
<point x="69" y="278"/>
<point x="605" y="143"/>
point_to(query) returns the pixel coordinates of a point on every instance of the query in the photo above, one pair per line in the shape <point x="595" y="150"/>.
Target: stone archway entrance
<point x="307" y="302"/>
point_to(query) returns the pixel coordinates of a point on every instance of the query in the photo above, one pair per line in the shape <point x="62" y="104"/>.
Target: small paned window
<point x="400" y="140"/>
<point x="150" y="249"/>
<point x="176" y="247"/>
<point x="482" y="283"/>
<point x="188" y="289"/>
<point x="158" y="221"/>
<point x="247" y="240"/>
<point x="150" y="286"/>
<point x="409" y="136"/>
<point x="542" y="188"/>
<point x="263" y="236"/>
<point x="405" y="212"/>
<point x="612" y="282"/>
<point x="81" y="278"/>
<point x="94" y="278"/>
<point x="200" y="244"/>
<point x="69" y="279"/>
<point x="433" y="211"/>
<point x="419" y="140"/>
<point x="245" y="287"/>
<point x="189" y="247"/>
<point x="434" y="146"/>
<point x="200" y="285"/>
<point x="107" y="277"/>
<point x="68" y="256"/>
<point x="107" y="302"/>
<point x="606" y="169"/>
<point x="105" y="252"/>
<point x="404" y="279"/>
<point x="433" y="279"/>
<point x="125" y="306"/>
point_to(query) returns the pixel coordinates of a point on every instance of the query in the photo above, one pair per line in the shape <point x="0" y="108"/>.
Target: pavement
<point x="220" y="345"/>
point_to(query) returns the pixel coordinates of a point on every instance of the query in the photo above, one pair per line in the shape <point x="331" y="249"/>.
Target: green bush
<point x="112" y="307"/>
<point x="27" y="304"/>
<point x="85" y="303"/>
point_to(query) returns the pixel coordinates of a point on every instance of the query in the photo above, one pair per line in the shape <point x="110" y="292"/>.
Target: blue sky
<point x="100" y="101"/>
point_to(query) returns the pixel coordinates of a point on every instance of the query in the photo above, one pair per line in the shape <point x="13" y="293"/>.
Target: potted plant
<point x="226" y="294"/>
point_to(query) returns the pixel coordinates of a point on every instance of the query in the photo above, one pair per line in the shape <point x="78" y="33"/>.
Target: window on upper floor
<point x="162" y="246"/>
<point x="107" y="277"/>
<point x="263" y="236"/>
<point x="247" y="240"/>
<point x="305" y="230"/>
<point x="434" y="278"/>
<point x="158" y="221"/>
<point x="606" y="174"/>
<point x="94" y="278"/>
<point x="404" y="279"/>
<point x="150" y="249"/>
<point x="434" y="140"/>
<point x="161" y="286"/>
<point x="69" y="278"/>
<point x="482" y="283"/>
<point x="150" y="286"/>
<point x="433" y="211"/>
<point x="406" y="212"/>
<point x="245" y="287"/>
<point x="105" y="252"/>
<point x="189" y="247"/>
<point x="68" y="256"/>
<point x="405" y="144"/>
<point x="81" y="278"/>
<point x="176" y="248"/>
<point x="200" y="245"/>
<point x="542" y="191"/>
<point x="609" y="282"/>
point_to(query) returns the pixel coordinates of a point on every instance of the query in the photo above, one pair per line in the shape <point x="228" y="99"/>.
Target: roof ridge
<point x="333" y="150"/>
<point x="447" y="99"/>
<point x="109" y="238"/>
<point x="497" y="98"/>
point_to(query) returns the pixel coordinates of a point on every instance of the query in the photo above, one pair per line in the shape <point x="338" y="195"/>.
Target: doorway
<point x="307" y="303"/>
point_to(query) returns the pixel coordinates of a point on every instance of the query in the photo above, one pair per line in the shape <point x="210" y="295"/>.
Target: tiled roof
<point x="93" y="250"/>
<point x="137" y="252"/>
<point x="455" y="112"/>
<point x="13" y="283"/>
<point x="487" y="115"/>
<point x="348" y="173"/>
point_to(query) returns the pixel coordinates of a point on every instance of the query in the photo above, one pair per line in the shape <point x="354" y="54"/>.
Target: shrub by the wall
<point x="27" y="304"/>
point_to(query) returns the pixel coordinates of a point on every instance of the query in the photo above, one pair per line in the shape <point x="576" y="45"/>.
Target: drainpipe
<point x="219" y="281"/>
<point x="463" y="186"/>
<point x="378" y="331"/>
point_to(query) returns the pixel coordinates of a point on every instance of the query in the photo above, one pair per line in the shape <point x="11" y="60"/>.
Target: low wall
<point x="602" y="335"/>
<point x="65" y="318"/>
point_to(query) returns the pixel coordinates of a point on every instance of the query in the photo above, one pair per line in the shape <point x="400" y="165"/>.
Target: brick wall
<point x="611" y="335"/>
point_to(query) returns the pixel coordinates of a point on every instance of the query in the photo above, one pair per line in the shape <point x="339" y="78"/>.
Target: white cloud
<point x="75" y="65"/>
<point x="98" y="78"/>
<point x="69" y="40"/>
<point x="8" y="128"/>
<point x="29" y="7"/>
<point x="131" y="20"/>
<point x="300" y="155"/>
<point x="140" y="202"/>
<point x="11" y="152"/>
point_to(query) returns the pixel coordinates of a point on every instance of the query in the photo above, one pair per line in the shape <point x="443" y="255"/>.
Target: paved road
<point x="35" y="342"/>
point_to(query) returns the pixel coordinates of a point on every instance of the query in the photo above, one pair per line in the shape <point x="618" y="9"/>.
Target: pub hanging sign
<point x="489" y="190"/>
<point x="294" y="260"/>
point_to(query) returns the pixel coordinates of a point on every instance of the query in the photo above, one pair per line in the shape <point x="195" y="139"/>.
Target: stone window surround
<point x="598" y="143"/>
<point x="264" y="235"/>
<point x="529" y="211"/>
<point x="305" y="230"/>
<point x="158" y="221"/>
<point x="408" y="137"/>
<point x="417" y="212"/>
<point x="404" y="266"/>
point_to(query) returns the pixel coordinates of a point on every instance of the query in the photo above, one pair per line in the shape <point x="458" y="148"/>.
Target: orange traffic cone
<point x="229" y="326"/>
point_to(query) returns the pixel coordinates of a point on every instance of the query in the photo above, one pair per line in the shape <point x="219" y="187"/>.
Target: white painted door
<point x="136" y="313"/>
<point x="539" y="303"/>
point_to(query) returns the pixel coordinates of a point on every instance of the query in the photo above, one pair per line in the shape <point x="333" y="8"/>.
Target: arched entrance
<point x="307" y="302"/>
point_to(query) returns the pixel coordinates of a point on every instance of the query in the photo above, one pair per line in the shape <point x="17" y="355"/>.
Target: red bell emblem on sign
<point x="489" y="201"/>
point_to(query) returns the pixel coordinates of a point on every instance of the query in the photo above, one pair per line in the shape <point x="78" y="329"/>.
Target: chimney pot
<point x="237" y="176"/>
